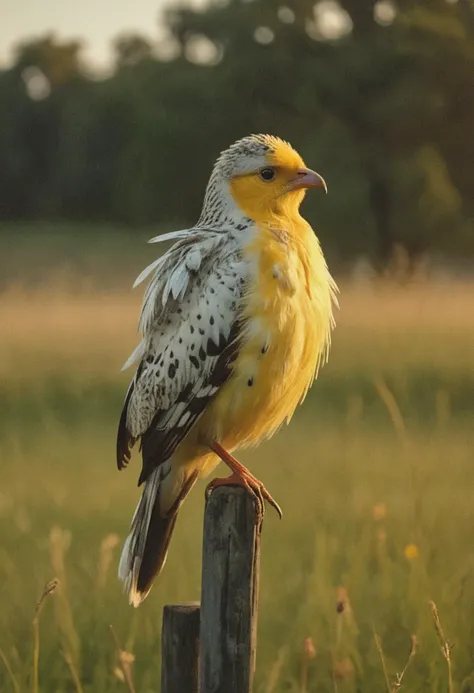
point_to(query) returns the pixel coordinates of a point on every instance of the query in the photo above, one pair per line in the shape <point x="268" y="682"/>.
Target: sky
<point x="96" y="21"/>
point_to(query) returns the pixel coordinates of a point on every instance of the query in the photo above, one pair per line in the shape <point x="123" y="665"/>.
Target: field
<point x="375" y="476"/>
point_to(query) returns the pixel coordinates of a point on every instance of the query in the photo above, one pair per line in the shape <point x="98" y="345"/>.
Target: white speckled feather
<point x="190" y="305"/>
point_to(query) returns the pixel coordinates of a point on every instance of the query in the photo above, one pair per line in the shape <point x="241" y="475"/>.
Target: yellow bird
<point x="236" y="321"/>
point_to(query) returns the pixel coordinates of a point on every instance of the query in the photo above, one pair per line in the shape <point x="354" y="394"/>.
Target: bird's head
<point x="261" y="175"/>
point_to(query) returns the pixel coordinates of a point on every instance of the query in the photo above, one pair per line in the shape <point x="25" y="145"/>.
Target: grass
<point x="368" y="582"/>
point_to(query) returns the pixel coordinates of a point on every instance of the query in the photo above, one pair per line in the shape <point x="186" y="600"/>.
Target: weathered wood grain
<point x="180" y="648"/>
<point x="230" y="578"/>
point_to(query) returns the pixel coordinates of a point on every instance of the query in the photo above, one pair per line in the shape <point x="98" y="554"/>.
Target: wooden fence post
<point x="229" y="597"/>
<point x="180" y="649"/>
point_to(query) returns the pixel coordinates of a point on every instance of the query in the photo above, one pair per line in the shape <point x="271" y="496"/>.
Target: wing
<point x="191" y="327"/>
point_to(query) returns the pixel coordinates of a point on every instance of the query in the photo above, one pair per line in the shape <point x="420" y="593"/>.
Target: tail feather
<point x="146" y="547"/>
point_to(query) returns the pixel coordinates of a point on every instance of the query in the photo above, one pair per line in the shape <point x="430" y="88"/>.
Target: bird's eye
<point x="267" y="174"/>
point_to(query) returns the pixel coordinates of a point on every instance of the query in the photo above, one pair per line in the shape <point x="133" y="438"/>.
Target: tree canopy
<point x="377" y="96"/>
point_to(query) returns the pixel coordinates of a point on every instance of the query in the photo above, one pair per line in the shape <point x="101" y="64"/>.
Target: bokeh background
<point x="110" y="119"/>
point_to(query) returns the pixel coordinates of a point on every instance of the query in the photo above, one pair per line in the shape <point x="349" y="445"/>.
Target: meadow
<point x="375" y="476"/>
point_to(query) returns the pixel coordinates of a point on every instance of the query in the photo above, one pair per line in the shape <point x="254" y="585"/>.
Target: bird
<point x="236" y="321"/>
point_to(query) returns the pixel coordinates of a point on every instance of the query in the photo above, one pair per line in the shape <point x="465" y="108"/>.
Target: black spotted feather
<point x="191" y="336"/>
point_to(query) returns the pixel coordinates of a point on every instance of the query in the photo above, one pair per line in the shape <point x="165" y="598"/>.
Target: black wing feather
<point x="158" y="444"/>
<point x="125" y="440"/>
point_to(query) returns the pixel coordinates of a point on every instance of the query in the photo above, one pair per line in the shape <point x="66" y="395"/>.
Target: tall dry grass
<point x="375" y="476"/>
<point x="379" y="325"/>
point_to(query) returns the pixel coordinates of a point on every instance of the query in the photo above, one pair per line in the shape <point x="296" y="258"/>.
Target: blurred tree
<point x="45" y="131"/>
<point x="58" y="61"/>
<point x="374" y="67"/>
<point x="378" y="95"/>
<point x="131" y="50"/>
<point x="15" y="153"/>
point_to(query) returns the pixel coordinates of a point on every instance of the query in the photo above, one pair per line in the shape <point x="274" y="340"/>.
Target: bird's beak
<point x="306" y="178"/>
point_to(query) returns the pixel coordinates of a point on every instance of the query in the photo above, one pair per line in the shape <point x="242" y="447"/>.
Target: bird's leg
<point x="241" y="477"/>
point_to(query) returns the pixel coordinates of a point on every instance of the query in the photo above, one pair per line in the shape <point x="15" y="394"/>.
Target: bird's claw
<point x="253" y="486"/>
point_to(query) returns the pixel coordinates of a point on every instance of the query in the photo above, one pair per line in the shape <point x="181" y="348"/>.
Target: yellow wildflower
<point x="411" y="552"/>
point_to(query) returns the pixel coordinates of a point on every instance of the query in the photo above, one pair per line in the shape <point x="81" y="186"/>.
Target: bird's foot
<point x="242" y="477"/>
<point x="255" y="487"/>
